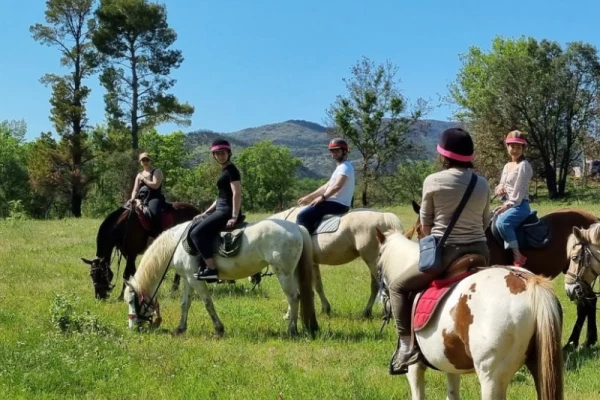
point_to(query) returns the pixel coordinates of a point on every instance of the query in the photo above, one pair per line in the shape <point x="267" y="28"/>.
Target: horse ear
<point x="578" y="234"/>
<point x="380" y="236"/>
<point x="416" y="207"/>
<point x="85" y="260"/>
<point x="128" y="284"/>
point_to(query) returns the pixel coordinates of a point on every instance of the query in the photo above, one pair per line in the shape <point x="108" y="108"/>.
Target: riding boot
<point x="204" y="271"/>
<point x="405" y="354"/>
<point x="403" y="358"/>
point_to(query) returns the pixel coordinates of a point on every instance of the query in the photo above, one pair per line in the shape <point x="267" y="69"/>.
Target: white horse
<point x="583" y="250"/>
<point x="282" y="244"/>
<point x="491" y="323"/>
<point x="353" y="238"/>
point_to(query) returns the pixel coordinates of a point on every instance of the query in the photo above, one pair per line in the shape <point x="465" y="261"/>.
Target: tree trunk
<point x="550" y="173"/>
<point x="76" y="200"/>
<point x="365" y="183"/>
<point x="134" y="101"/>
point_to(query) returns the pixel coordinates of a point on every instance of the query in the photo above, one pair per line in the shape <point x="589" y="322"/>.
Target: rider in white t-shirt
<point x="334" y="197"/>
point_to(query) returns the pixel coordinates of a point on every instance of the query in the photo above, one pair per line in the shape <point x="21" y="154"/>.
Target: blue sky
<point x="254" y="62"/>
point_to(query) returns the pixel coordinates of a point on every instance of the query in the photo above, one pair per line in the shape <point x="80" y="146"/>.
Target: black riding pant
<point x="155" y="204"/>
<point x="311" y="216"/>
<point x="204" y="232"/>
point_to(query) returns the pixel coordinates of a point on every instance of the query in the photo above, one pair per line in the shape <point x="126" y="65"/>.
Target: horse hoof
<point x="589" y="344"/>
<point x="218" y="334"/>
<point x="326" y="310"/>
<point x="179" y="331"/>
<point x="570" y="346"/>
<point x="367" y="314"/>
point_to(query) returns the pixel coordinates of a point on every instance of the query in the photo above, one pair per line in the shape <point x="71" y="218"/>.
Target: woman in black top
<point x="148" y="188"/>
<point x="227" y="209"/>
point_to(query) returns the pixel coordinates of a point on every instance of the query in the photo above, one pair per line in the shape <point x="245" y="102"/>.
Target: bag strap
<point x="459" y="209"/>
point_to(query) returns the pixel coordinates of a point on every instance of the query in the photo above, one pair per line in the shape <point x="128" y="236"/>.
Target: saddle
<point x="331" y="222"/>
<point x="533" y="233"/>
<point x="166" y="215"/>
<point x="227" y="244"/>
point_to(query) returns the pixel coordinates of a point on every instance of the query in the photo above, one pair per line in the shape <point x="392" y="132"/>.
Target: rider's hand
<point x="500" y="191"/>
<point x="231" y="222"/>
<point x="303" y="200"/>
<point x="199" y="216"/>
<point x="317" y="201"/>
<point x="500" y="209"/>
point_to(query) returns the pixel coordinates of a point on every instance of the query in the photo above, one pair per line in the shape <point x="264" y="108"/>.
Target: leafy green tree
<point x="373" y="117"/>
<point x="70" y="25"/>
<point x="549" y="92"/>
<point x="135" y="39"/>
<point x="199" y="185"/>
<point x="13" y="165"/>
<point x="268" y="176"/>
<point x="169" y="153"/>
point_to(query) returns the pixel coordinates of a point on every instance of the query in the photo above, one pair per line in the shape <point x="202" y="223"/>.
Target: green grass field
<point x="43" y="284"/>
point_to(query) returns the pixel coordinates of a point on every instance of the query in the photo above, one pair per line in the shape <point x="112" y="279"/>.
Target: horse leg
<point x="416" y="380"/>
<point x="128" y="272"/>
<point x="202" y="290"/>
<point x="573" y="341"/>
<point x="186" y="301"/>
<point x="292" y="291"/>
<point x="453" y="387"/>
<point x="368" y="312"/>
<point x="592" y="330"/>
<point x="176" y="280"/>
<point x="325" y="306"/>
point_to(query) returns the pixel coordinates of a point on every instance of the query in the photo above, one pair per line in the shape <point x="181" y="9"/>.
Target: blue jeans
<point x="509" y="220"/>
<point x="311" y="216"/>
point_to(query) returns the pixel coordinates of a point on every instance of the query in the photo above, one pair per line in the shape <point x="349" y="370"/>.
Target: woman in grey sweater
<point x="442" y="192"/>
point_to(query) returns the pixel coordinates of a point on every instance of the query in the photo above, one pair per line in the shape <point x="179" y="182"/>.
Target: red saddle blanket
<point x="166" y="219"/>
<point x="426" y="302"/>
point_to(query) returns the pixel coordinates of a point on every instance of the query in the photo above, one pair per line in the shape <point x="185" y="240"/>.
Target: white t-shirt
<point x="344" y="195"/>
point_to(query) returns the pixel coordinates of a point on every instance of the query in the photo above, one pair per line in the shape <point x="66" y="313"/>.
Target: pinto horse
<point x="490" y="323"/>
<point x="129" y="232"/>
<point x="549" y="261"/>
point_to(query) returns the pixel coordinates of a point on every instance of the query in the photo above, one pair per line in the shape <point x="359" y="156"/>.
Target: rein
<point x="152" y="305"/>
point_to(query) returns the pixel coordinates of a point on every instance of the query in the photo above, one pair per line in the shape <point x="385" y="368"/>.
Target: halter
<point x="584" y="290"/>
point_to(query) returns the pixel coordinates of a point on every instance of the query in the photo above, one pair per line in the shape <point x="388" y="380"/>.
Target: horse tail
<point x="304" y="274"/>
<point x="549" y="357"/>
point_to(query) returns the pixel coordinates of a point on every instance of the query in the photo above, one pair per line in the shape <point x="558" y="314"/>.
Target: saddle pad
<point x="227" y="244"/>
<point x="328" y="225"/>
<point x="166" y="218"/>
<point x="427" y="301"/>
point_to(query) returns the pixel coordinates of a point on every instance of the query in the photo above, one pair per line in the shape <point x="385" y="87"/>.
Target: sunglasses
<point x="144" y="159"/>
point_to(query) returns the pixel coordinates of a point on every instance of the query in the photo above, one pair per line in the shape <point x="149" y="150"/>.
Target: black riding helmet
<point x="220" y="144"/>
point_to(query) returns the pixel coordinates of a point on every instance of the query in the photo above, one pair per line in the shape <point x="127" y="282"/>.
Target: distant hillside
<point x="308" y="141"/>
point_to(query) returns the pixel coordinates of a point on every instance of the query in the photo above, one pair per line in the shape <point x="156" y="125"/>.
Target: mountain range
<point x="308" y="141"/>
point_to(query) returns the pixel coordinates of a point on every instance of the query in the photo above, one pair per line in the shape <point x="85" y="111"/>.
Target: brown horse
<point x="549" y="261"/>
<point x="128" y="232"/>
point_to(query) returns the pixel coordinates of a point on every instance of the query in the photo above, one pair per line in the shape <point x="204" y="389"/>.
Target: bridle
<point x="142" y="307"/>
<point x="583" y="289"/>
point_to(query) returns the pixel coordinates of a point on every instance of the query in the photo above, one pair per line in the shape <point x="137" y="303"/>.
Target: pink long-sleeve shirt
<point x="516" y="183"/>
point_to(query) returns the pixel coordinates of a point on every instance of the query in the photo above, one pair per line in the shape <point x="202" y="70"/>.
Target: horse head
<point x="140" y="310"/>
<point x="101" y="275"/>
<point x="583" y="251"/>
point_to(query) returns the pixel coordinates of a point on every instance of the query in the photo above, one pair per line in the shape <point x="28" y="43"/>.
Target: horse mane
<point x="592" y="234"/>
<point x="105" y="231"/>
<point x="392" y="222"/>
<point x="154" y="261"/>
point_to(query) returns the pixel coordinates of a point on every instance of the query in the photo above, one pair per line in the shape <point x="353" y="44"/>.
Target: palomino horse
<point x="124" y="231"/>
<point x="282" y="244"/>
<point x="583" y="249"/>
<point x="549" y="261"/>
<point x="491" y="323"/>
<point x="353" y="238"/>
